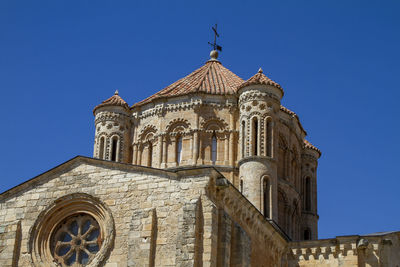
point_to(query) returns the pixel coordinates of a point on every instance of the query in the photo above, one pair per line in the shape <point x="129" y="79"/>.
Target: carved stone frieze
<point x="110" y="116"/>
<point x="195" y="105"/>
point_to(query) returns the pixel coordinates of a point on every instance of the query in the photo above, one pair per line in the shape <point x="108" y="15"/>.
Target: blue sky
<point x="338" y="62"/>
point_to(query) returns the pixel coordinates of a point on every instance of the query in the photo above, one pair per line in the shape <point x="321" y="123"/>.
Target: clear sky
<point x="338" y="62"/>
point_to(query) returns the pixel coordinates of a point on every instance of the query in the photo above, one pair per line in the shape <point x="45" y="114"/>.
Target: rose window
<point x="76" y="240"/>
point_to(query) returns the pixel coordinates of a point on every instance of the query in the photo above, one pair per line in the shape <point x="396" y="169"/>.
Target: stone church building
<point x="210" y="171"/>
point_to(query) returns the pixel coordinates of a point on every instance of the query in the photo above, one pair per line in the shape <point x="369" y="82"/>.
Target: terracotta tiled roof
<point x="310" y="146"/>
<point x="260" y="78"/>
<point x="212" y="78"/>
<point x="115" y="100"/>
<point x="288" y="111"/>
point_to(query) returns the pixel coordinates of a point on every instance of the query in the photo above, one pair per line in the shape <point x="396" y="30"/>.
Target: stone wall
<point x="10" y="239"/>
<point x="148" y="217"/>
<point x="154" y="212"/>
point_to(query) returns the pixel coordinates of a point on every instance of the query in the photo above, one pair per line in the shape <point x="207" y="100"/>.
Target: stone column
<point x="208" y="148"/>
<point x="259" y="137"/>
<point x="195" y="147"/>
<point x="175" y="148"/>
<point x="164" y="152"/>
<point x="231" y="150"/>
<point x="226" y="151"/>
<point x="200" y="160"/>
<point x="134" y="156"/>
<point x="196" y="137"/>
<point x="118" y="150"/>
<point x="160" y="150"/>
<point x="139" y="161"/>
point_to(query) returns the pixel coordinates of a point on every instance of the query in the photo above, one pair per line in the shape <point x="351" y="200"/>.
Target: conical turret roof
<point x="260" y="78"/>
<point x="115" y="100"/>
<point x="212" y="78"/>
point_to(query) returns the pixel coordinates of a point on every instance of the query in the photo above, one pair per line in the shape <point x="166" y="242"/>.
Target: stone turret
<point x="112" y="136"/>
<point x="259" y="104"/>
<point x="309" y="226"/>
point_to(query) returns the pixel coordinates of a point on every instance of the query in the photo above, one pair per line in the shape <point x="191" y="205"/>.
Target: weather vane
<point x="214" y="45"/>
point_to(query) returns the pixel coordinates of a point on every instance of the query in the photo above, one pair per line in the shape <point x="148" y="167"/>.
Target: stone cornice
<point x="194" y="103"/>
<point x="110" y="116"/>
<point x="341" y="245"/>
<point x="256" y="95"/>
<point x="256" y="158"/>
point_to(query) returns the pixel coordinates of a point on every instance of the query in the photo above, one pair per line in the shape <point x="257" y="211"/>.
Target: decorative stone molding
<point x="195" y="104"/>
<point x="110" y="116"/>
<point x="176" y="123"/>
<point x="306" y="252"/>
<point x="252" y="95"/>
<point x="208" y="122"/>
<point x="146" y="130"/>
<point x="42" y="232"/>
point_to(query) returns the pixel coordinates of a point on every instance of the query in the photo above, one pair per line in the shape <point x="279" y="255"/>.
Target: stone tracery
<point x="77" y="240"/>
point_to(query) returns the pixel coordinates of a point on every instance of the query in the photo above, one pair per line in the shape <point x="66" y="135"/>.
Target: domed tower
<point x="259" y="104"/>
<point x="190" y="122"/>
<point x="309" y="226"/>
<point x="112" y="136"/>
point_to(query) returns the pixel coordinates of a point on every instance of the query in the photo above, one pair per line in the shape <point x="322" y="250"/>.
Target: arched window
<point x="243" y="138"/>
<point x="77" y="230"/>
<point x="268" y="132"/>
<point x="266" y="197"/>
<point x="101" y="149"/>
<point x="241" y="186"/>
<point x="213" y="148"/>
<point x="308" y="194"/>
<point x="255" y="136"/>
<point x="114" y="146"/>
<point x="179" y="149"/>
<point x="150" y="154"/>
<point x="307" y="234"/>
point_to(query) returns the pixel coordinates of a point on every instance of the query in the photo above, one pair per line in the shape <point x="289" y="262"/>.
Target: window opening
<point x="243" y="138"/>
<point x="150" y="154"/>
<point x="269" y="138"/>
<point x="266" y="197"/>
<point x="213" y="149"/>
<point x="307" y="234"/>
<point x="255" y="137"/>
<point x="114" y="149"/>
<point x="76" y="240"/>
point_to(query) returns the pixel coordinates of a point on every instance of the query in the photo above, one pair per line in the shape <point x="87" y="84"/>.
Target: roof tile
<point x="212" y="78"/>
<point x="115" y="100"/>
<point x="260" y="78"/>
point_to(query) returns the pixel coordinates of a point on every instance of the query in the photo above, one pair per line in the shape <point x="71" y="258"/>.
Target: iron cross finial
<point x="214" y="45"/>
